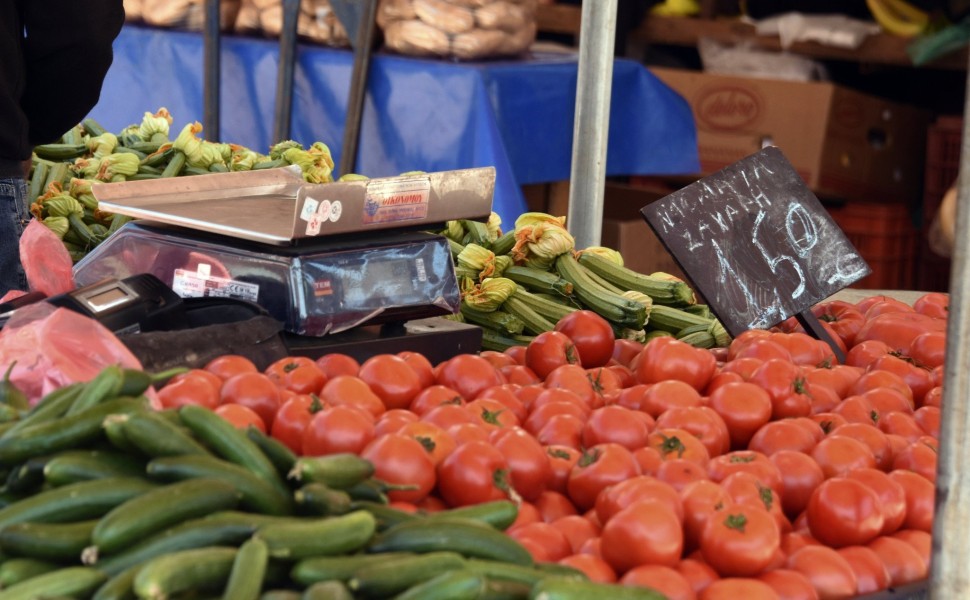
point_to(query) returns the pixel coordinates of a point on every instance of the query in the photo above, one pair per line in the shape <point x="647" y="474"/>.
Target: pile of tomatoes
<point x="762" y="470"/>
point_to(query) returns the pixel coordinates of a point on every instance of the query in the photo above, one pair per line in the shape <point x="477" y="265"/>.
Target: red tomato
<point x="928" y="418"/>
<point x="401" y="460"/>
<point x="255" y="391"/>
<point x="352" y="391"/>
<point x="527" y="459"/>
<point x="756" y="463"/>
<point x="446" y="416"/>
<point x="492" y="414"/>
<point x="830" y="573"/>
<point x="542" y="540"/>
<point x="892" y="496"/>
<point x="561" y="461"/>
<point x="786" y="386"/>
<point x="904" y="563"/>
<point x="189" y="388"/>
<point x="732" y="588"/>
<point x="595" y="568"/>
<point x="920" y="499"/>
<point x="743" y="366"/>
<point x="661" y="396"/>
<point x="506" y="395"/>
<point x="700" y="501"/>
<point x="298" y="374"/>
<point x="680" y="472"/>
<point x="549" y="350"/>
<point x="918" y="379"/>
<point x="678" y="443"/>
<point x="918" y="457"/>
<point x="762" y="349"/>
<point x="517" y="353"/>
<point x="624" y="351"/>
<point x="920" y="540"/>
<point x="800" y="475"/>
<point x="899" y="329"/>
<point x="933" y="304"/>
<point x="837" y="455"/>
<point x="577" y="530"/>
<point x="394" y="381"/>
<point x="844" y="512"/>
<point x="745" y="407"/>
<point x="562" y="430"/>
<point x="618" y="496"/>
<point x="902" y="424"/>
<point x="782" y="435"/>
<point x="789" y="585"/>
<point x="615" y="424"/>
<point x="928" y="349"/>
<point x="475" y="472"/>
<point x="338" y="429"/>
<point x="669" y="358"/>
<point x="701" y="421"/>
<point x="214" y="379"/>
<point x="227" y="365"/>
<point x="649" y="460"/>
<point x="745" y="489"/>
<point x="598" y="467"/>
<point x="828" y="421"/>
<point x="519" y="374"/>
<point x="698" y="573"/>
<point x="644" y="533"/>
<point x="591" y="334"/>
<point x="553" y="506"/>
<point x="437" y="442"/>
<point x="292" y="419"/>
<point x="740" y="540"/>
<point x="393" y="420"/>
<point x="863" y="354"/>
<point x="335" y="363"/>
<point x="434" y="396"/>
<point x="573" y="378"/>
<point x="240" y="416"/>
<point x="844" y="318"/>
<point x="422" y="366"/>
<point x="869" y="435"/>
<point x="469" y="375"/>
<point x="665" y="580"/>
<point x="870" y="572"/>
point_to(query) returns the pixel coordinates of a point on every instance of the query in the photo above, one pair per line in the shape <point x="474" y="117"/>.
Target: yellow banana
<point x="676" y="8"/>
<point x="899" y="17"/>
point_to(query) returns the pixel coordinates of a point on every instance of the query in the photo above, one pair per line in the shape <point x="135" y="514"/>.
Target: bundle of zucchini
<point x="62" y="173"/>
<point x="106" y="498"/>
<point x="517" y="284"/>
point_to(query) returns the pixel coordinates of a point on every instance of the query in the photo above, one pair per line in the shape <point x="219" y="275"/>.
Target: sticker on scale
<point x="309" y="208"/>
<point x="195" y="284"/>
<point x="389" y="201"/>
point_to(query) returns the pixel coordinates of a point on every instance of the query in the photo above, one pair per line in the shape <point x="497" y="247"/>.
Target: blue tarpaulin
<point x="430" y="115"/>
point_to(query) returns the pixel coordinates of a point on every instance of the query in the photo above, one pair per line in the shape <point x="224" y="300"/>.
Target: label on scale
<point x="199" y="284"/>
<point x="392" y="200"/>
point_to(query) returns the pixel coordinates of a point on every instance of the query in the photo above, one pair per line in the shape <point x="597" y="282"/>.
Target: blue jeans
<point x="13" y="220"/>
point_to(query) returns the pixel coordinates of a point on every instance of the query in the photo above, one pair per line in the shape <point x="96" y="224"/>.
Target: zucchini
<point x="47" y="541"/>
<point x="68" y="581"/>
<point x="92" y="127"/>
<point x="27" y="477"/>
<point x="539" y="281"/>
<point x="559" y="588"/>
<point x="281" y="595"/>
<point x="302" y="538"/>
<point x="156" y="436"/>
<point x="176" y="164"/>
<point x="673" y="320"/>
<point x="533" y="322"/>
<point x="493" y="340"/>
<point x="160" y="508"/>
<point x="393" y="576"/>
<point x="327" y="590"/>
<point x="450" y="585"/>
<point x="339" y="471"/>
<point x="339" y="568"/>
<point x="608" y="305"/>
<point x="248" y="571"/>
<point x="663" y="291"/>
<point x="118" y="587"/>
<point x="504" y="243"/>
<point x="199" y="570"/>
<point x="499" y="320"/>
<point x="467" y="537"/>
<point x="75" y="502"/>
<point x="550" y="309"/>
<point x="60" y="152"/>
<point x="15" y="570"/>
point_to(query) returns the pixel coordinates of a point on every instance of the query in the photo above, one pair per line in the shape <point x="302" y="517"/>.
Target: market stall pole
<point x="283" y="110"/>
<point x="949" y="577"/>
<point x="211" y="65"/>
<point x="591" y="129"/>
<point x="360" y="23"/>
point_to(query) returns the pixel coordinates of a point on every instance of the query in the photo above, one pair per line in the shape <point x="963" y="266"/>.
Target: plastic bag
<point x="45" y="259"/>
<point x="53" y="347"/>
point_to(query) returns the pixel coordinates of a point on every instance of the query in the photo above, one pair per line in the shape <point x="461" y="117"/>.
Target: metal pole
<point x="358" y="86"/>
<point x="949" y="575"/>
<point x="211" y="65"/>
<point x="287" y="65"/>
<point x="587" y="180"/>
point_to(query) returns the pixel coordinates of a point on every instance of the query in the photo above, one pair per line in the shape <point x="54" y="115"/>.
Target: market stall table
<point x="432" y="115"/>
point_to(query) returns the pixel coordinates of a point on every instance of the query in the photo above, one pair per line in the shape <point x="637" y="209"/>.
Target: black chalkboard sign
<point x="756" y="242"/>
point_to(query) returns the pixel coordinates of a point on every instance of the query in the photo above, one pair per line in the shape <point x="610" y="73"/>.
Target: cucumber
<point x="228" y="442"/>
<point x="341" y="568"/>
<point x="83" y="465"/>
<point x="120" y="586"/>
<point x="257" y="494"/>
<point x="50" y="407"/>
<point x="161" y="508"/>
<point x="302" y="538"/>
<point x="281" y="595"/>
<point x="248" y="571"/>
<point x="327" y="590"/>
<point x="276" y="451"/>
<point x="465" y="536"/>
<point x="106" y="384"/>
<point x="75" y="502"/>
<point x="387" y="516"/>
<point x="47" y="541"/>
<point x="500" y="514"/>
<point x="68" y="581"/>
<point x="318" y="499"/>
<point x="65" y="433"/>
<point x="156" y="436"/>
<point x="15" y="570"/>
<point x="450" y="585"/>
<point x="393" y="576"/>
<point x="558" y="588"/>
<point x="505" y="590"/>
<point x="199" y="570"/>
<point x="339" y="471"/>
<point x="27" y="477"/>
<point x="495" y="570"/>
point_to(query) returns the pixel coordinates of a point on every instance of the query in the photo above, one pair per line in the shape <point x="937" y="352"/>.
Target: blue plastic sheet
<point x="419" y="114"/>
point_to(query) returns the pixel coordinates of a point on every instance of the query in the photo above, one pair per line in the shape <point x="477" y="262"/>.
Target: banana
<point x="899" y="17"/>
<point x="676" y="8"/>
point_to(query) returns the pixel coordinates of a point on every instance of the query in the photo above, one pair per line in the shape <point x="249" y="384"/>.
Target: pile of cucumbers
<point x="106" y="498"/>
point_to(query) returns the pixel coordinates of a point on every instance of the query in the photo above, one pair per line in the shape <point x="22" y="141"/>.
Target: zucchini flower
<point x="542" y="240"/>
<point x="490" y="294"/>
<point x="353" y="177"/>
<point x="88" y="168"/>
<point x="532" y="218"/>
<point x="224" y="150"/>
<point x="118" y="167"/>
<point x="639" y="297"/>
<point x="198" y="152"/>
<point x="685" y="292"/>
<point x="59" y="225"/>
<point x="463" y="273"/>
<point x="317" y="166"/>
<point x="454" y="231"/>
<point x="103" y="144"/>
<point x="155" y="127"/>
<point x="637" y="335"/>
<point x="80" y="189"/>
<point x="502" y="262"/>
<point x="243" y="158"/>
<point x="62" y="206"/>
<point x="608" y="253"/>
<point x="494" y="226"/>
<point x="477" y="259"/>
<point x="721" y="337"/>
<point x="536" y="262"/>
<point x="276" y="152"/>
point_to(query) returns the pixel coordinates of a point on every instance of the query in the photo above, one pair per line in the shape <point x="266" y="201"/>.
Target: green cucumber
<point x="248" y="571"/>
<point x="303" y="538"/>
<point x="83" y="465"/>
<point x="318" y="499"/>
<point x="281" y="595"/>
<point x="106" y="384"/>
<point x="199" y="570"/>
<point x="160" y="508"/>
<point x="15" y="570"/>
<point x="465" y="536"/>
<point x="340" y="568"/>
<point x="278" y="453"/>
<point x="120" y="586"/>
<point x="75" y="502"/>
<point x="339" y="471"/>
<point x="257" y="494"/>
<point x="327" y="590"/>
<point x="387" y="516"/>
<point x="500" y="514"/>
<point x="393" y="576"/>
<point x="47" y="541"/>
<point x="68" y="581"/>
<point x="450" y="585"/>
<point x="52" y="406"/>
<point x="559" y="588"/>
<point x="156" y="436"/>
<point x="498" y="570"/>
<point x="505" y="590"/>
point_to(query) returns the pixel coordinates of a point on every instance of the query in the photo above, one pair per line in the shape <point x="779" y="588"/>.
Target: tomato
<point x="804" y="349"/>
<point x="902" y="424"/>
<point x="598" y="467"/>
<point x="446" y="416"/>
<point x="393" y="420"/>
<point x="920" y="540"/>
<point x="865" y="353"/>
<point x="297" y="373"/>
<point x="701" y="421"/>
<point x="669" y="358"/>
<point x="740" y="540"/>
<point x="605" y="381"/>
<point x="618" y="496"/>
<point x="434" y="396"/>
<point x="700" y="500"/>
<point x="744" y="367"/>
<point x="886" y="306"/>
<point x="658" y="397"/>
<point x="338" y="429"/>
<point x="437" y="442"/>
<point x="903" y="562"/>
<point x="506" y="395"/>
<point x="644" y="533"/>
<point x="844" y="318"/>
<point x="891" y="495"/>
<point x="763" y="349"/>
<point x="528" y="462"/>
<point x="899" y="329"/>
<point x="492" y="414"/>
<point x="933" y="304"/>
<point x="519" y="374"/>
<point x="745" y="407"/>
<point x="698" y="573"/>
<point x="549" y="350"/>
<point x="562" y="430"/>
<point x="475" y="472"/>
<point x="401" y="460"/>
<point x="720" y="467"/>
<point x="789" y="585"/>
<point x="919" y="457"/>
<point x="335" y="363"/>
<point x="731" y="588"/>
<point x="292" y="419"/>
<point x="917" y="379"/>
<point x="615" y="424"/>
<point x="253" y="390"/>
<point x="469" y="375"/>
<point x="870" y="572"/>
<point x="920" y="499"/>
<point x="830" y="573"/>
<point x="828" y="422"/>
<point x="800" y="475"/>
<point x="934" y="397"/>
<point x="577" y="530"/>
<point x="595" y="568"/>
<point x="542" y="540"/>
<point x="543" y="411"/>
<point x="553" y="506"/>
<point x="869" y="435"/>
<point x="623" y="375"/>
<point x="680" y="472"/>
<point x="353" y="391"/>
<point x="928" y="418"/>
<point x="189" y="388"/>
<point x="240" y="416"/>
<point x="227" y="365"/>
<point x="420" y="364"/>
<point x="844" y="512"/>
<point x="665" y="580"/>
<point x="721" y="378"/>
<point x="837" y="455"/>
<point x="517" y="353"/>
<point x="678" y="444"/>
<point x="591" y="334"/>
<point x="561" y="461"/>
<point x="624" y="351"/>
<point x="928" y="349"/>
<point x="837" y="377"/>
<point x="649" y="460"/>
<point x="573" y="378"/>
<point x="214" y="379"/>
<point x="782" y="435"/>
<point x="394" y="381"/>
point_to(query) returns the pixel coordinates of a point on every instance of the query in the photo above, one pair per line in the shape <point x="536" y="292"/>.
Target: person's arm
<point x="66" y="56"/>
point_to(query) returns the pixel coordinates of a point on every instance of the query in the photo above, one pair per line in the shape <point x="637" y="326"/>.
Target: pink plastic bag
<point x="45" y="259"/>
<point x="54" y="347"/>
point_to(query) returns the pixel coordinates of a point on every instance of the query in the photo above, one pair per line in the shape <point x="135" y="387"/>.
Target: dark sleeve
<point x="66" y="56"/>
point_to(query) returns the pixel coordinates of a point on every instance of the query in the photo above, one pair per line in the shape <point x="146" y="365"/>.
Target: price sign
<point x="757" y="243"/>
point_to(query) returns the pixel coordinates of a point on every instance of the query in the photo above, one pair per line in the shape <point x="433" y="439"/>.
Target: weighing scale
<point x="345" y="267"/>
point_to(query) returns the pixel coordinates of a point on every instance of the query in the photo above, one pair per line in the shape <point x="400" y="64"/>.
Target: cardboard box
<point x="843" y="143"/>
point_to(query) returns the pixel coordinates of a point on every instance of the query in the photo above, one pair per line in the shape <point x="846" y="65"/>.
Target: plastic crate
<point x="886" y="238"/>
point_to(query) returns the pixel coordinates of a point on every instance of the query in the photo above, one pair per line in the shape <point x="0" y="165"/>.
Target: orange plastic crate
<point x="886" y="238"/>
